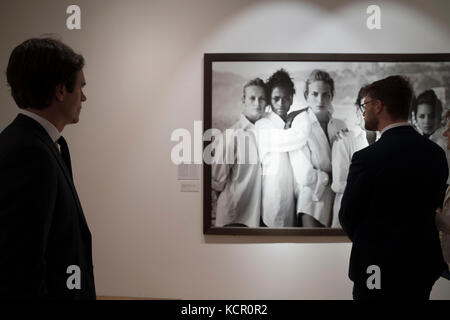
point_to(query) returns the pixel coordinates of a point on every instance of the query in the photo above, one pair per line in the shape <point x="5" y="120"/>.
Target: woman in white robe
<point x="312" y="164"/>
<point x="278" y="194"/>
<point x="274" y="143"/>
<point x="312" y="170"/>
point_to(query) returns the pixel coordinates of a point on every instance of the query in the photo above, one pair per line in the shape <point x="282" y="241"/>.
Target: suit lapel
<point x="40" y="132"/>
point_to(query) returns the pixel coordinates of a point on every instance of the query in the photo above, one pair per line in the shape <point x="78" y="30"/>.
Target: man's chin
<point x="75" y="120"/>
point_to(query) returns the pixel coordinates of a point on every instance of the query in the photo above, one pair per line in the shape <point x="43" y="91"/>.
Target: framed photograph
<point x="280" y="131"/>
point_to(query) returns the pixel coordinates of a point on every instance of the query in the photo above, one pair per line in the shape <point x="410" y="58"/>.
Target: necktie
<point x="65" y="154"/>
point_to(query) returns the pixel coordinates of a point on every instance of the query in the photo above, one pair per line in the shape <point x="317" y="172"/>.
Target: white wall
<point x="144" y="79"/>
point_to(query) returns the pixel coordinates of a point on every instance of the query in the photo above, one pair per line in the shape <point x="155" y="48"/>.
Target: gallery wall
<point x="144" y="80"/>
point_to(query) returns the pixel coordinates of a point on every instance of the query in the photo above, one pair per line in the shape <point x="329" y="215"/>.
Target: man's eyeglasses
<point x="363" y="106"/>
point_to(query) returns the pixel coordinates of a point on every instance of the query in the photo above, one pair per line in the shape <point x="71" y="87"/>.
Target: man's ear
<point x="60" y="92"/>
<point x="378" y="106"/>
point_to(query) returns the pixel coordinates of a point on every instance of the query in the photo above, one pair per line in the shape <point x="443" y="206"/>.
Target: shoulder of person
<point x="435" y="145"/>
<point x="438" y="138"/>
<point x="338" y="124"/>
<point x="16" y="140"/>
<point x="368" y="153"/>
<point x="295" y="113"/>
<point x="264" y="122"/>
<point x="236" y="126"/>
<point x="299" y="117"/>
<point x="34" y="157"/>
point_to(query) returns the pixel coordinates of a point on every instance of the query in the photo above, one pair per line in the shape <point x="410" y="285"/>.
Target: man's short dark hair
<point x="430" y="98"/>
<point x="319" y="75"/>
<point x="394" y="92"/>
<point x="280" y="79"/>
<point x="37" y="66"/>
<point x="257" y="82"/>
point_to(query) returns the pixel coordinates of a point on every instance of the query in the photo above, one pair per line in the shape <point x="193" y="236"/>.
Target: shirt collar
<point x="395" y="125"/>
<point x="245" y="123"/>
<point x="313" y="117"/>
<point x="47" y="125"/>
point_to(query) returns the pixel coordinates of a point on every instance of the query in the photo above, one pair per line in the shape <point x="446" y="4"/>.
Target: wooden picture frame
<point x="226" y="73"/>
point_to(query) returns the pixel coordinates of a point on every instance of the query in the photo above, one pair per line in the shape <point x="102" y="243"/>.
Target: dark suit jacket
<point x="43" y="230"/>
<point x="388" y="209"/>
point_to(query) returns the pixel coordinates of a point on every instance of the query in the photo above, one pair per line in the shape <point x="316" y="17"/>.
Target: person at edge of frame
<point x="387" y="212"/>
<point x="443" y="214"/>
<point x="45" y="242"/>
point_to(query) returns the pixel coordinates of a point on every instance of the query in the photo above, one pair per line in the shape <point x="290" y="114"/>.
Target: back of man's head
<point x="395" y="93"/>
<point x="37" y="66"/>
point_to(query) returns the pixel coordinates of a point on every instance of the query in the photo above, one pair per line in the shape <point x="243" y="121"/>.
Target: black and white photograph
<point x="287" y="126"/>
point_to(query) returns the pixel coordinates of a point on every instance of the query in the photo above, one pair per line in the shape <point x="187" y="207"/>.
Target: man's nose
<point x="319" y="99"/>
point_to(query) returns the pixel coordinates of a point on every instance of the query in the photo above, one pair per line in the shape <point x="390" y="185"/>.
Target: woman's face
<point x="254" y="103"/>
<point x="281" y="101"/>
<point x="319" y="96"/>
<point x="427" y="119"/>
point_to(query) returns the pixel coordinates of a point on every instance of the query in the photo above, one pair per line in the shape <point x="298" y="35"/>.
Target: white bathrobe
<point x="278" y="197"/>
<point x="312" y="167"/>
<point x="342" y="153"/>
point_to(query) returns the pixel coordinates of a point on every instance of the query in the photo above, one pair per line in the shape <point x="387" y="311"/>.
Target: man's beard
<point x="371" y="124"/>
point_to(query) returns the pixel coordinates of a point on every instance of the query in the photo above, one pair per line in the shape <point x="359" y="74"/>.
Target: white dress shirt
<point x="236" y="174"/>
<point x="47" y="125"/>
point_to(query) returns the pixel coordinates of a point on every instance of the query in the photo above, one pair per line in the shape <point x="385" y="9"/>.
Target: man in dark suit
<point x="388" y="209"/>
<point x="45" y="242"/>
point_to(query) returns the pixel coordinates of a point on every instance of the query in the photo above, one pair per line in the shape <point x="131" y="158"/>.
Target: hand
<point x="342" y="133"/>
